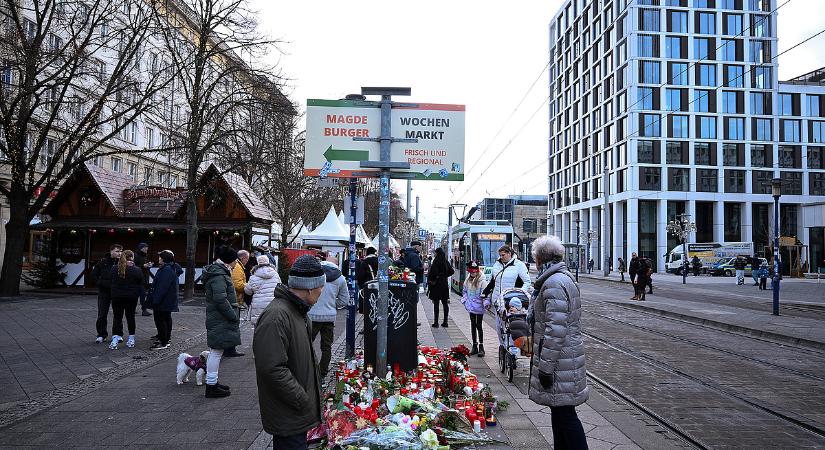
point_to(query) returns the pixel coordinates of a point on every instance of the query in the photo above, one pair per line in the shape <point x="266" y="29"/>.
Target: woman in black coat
<point x="127" y="282"/>
<point x="164" y="298"/>
<point x="438" y="281"/>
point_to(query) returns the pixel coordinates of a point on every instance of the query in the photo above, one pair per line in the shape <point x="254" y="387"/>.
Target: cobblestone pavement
<point x="724" y="389"/>
<point x="129" y="398"/>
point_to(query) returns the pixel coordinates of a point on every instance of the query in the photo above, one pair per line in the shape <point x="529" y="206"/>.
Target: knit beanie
<point x="514" y="302"/>
<point x="226" y="254"/>
<point x="306" y="273"/>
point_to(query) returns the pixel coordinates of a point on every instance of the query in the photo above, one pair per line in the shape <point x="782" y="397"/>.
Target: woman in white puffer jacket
<point x="508" y="272"/>
<point x="261" y="286"/>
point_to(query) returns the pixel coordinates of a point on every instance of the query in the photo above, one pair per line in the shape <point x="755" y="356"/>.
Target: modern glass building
<point x="678" y="100"/>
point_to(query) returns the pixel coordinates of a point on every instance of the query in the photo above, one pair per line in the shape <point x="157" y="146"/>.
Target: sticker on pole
<point x="332" y="151"/>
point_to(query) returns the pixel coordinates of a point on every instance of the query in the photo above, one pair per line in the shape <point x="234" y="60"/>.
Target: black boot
<point x="222" y="387"/>
<point x="475" y="349"/>
<point x="480" y="350"/>
<point x="213" y="391"/>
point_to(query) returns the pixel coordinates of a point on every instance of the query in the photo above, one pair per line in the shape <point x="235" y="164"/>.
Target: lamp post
<point x="681" y="227"/>
<point x="776" y="190"/>
<point x="578" y="248"/>
<point x="592" y="236"/>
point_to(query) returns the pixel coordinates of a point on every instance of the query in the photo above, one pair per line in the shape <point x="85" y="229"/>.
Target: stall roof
<point x="329" y="230"/>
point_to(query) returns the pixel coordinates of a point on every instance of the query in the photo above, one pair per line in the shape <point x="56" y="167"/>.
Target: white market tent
<point x="393" y="243"/>
<point x="361" y="236"/>
<point x="329" y="235"/>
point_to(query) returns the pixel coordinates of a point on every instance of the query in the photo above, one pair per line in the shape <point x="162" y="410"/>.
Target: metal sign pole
<point x="352" y="308"/>
<point x="385" y="164"/>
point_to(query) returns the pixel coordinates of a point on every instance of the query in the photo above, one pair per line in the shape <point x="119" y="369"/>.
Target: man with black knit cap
<point x="287" y="375"/>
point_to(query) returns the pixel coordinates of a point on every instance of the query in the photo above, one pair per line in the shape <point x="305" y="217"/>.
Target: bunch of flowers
<point x="438" y="405"/>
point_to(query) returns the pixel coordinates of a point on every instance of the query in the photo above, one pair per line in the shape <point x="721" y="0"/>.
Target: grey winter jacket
<point x="557" y="371"/>
<point x="334" y="295"/>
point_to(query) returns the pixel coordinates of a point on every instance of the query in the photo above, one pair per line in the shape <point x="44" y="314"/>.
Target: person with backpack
<point x="643" y="278"/>
<point x="102" y="274"/>
<point x="439" y="285"/>
<point x="261" y="286"/>
<point x="475" y="305"/>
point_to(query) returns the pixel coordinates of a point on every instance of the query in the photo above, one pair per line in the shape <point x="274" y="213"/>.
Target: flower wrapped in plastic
<point x="384" y="438"/>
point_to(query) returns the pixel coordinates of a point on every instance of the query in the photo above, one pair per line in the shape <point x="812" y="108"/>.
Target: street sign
<point x="422" y="234"/>
<point x="359" y="212"/>
<point x="332" y="125"/>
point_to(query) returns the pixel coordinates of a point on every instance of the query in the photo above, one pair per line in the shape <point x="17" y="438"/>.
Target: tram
<point x="477" y="240"/>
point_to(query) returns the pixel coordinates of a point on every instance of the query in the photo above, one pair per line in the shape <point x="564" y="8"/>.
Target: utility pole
<point x="607" y="220"/>
<point x="578" y="247"/>
<point x="385" y="164"/>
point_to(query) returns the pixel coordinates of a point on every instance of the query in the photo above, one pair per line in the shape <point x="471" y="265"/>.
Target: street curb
<point x="753" y="332"/>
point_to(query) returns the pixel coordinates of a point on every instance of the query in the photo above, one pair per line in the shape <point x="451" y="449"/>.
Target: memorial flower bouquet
<point x="438" y="406"/>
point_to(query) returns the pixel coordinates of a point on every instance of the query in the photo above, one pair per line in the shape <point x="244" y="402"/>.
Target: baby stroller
<point x="513" y="327"/>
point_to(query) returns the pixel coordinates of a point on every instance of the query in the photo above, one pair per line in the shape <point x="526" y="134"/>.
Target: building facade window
<point x="734" y="181"/>
<point x="133" y="170"/>
<point x="817" y="183"/>
<point x="816" y="157"/>
<point x="676" y="153"/>
<point x="650" y="178"/>
<point x="733" y="154"/>
<point x="761" y="155"/>
<point x="649" y="19"/>
<point x="706" y="128"/>
<point x="706" y="23"/>
<point x="650" y="125"/>
<point x="678" y="21"/>
<point x="791" y="185"/>
<point x="707" y="180"/>
<point x="117" y="164"/>
<point x="675" y="47"/>
<point x="789" y="130"/>
<point x="704" y="48"/>
<point x="762" y="77"/>
<point x="790" y="157"/>
<point x="761" y="103"/>
<point x="814" y="105"/>
<point x="702" y="101"/>
<point x="678" y="179"/>
<point x="650" y="72"/>
<point x="734" y="128"/>
<point x="148" y="173"/>
<point x="732" y="24"/>
<point x="706" y="75"/>
<point x="648" y="152"/>
<point x="678" y="73"/>
<point x="785" y="104"/>
<point x="733" y="76"/>
<point x="679" y="126"/>
<point x="733" y="222"/>
<point x="762" y="129"/>
<point x="648" y="46"/>
<point x="762" y="181"/>
<point x="817" y="132"/>
<point x="704" y="154"/>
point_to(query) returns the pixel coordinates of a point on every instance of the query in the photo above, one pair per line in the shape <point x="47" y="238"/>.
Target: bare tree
<point x="215" y="88"/>
<point x="70" y="85"/>
<point x="294" y="199"/>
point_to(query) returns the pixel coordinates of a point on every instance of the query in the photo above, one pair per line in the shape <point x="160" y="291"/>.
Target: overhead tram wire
<point x="635" y="133"/>
<point x="489" y="145"/>
<point x="706" y="59"/>
<point x="546" y="66"/>
<point x="744" y="74"/>
<point x="498" y="155"/>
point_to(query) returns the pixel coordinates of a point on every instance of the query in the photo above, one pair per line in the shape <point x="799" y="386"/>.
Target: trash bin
<point x="402" y="318"/>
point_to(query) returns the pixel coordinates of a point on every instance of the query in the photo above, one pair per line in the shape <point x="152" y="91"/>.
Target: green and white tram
<point x="477" y="240"/>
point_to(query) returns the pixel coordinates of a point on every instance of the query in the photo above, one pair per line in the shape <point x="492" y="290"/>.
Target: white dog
<point x="188" y="364"/>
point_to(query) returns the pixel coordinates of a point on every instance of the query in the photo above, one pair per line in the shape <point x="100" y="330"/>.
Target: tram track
<point x="709" y="346"/>
<point x="719" y="390"/>
<point x="665" y="423"/>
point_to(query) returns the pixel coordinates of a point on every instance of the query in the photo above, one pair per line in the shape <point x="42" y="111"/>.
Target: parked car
<point x="725" y="267"/>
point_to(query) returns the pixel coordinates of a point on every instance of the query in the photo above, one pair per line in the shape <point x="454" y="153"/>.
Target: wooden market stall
<point x="97" y="207"/>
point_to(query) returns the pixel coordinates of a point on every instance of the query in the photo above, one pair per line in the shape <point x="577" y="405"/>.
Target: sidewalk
<point x="753" y="316"/>
<point x="128" y="397"/>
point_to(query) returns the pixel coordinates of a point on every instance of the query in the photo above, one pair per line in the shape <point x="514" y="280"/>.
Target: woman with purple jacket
<point x="475" y="305"/>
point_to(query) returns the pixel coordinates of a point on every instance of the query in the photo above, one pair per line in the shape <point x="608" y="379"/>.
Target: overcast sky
<point x="482" y="54"/>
